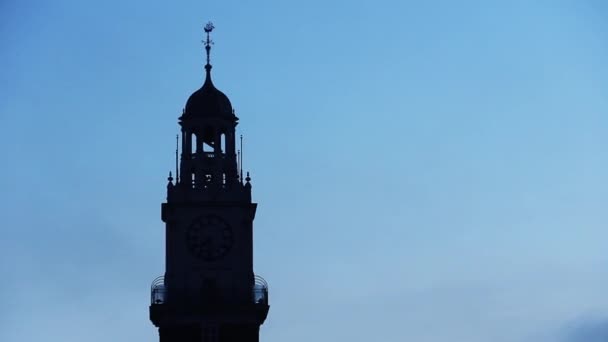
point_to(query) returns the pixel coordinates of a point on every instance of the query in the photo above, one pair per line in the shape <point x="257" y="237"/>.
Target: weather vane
<point x="208" y="28"/>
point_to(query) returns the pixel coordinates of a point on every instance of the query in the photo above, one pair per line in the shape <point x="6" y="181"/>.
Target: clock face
<point x="209" y="238"/>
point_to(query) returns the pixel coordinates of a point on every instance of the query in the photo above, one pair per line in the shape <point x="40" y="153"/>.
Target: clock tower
<point x="209" y="292"/>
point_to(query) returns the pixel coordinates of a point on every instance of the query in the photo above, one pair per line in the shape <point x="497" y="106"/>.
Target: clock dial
<point x="209" y="238"/>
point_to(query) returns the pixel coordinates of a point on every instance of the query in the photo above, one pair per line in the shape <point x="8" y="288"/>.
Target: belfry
<point x="209" y="292"/>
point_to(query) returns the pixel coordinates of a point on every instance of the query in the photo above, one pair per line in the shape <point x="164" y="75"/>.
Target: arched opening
<point x="207" y="140"/>
<point x="223" y="143"/>
<point x="207" y="147"/>
<point x="193" y="141"/>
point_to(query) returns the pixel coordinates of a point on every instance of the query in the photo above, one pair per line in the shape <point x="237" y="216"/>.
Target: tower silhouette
<point x="209" y="292"/>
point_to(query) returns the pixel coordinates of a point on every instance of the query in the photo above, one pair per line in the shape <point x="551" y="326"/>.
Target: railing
<point x="260" y="290"/>
<point x="158" y="293"/>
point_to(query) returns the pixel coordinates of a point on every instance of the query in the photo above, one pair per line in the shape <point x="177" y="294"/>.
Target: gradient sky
<point x="426" y="171"/>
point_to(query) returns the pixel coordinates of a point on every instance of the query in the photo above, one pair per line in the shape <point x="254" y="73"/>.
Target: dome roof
<point x="208" y="101"/>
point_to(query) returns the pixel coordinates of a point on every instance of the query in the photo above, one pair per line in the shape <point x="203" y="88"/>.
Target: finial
<point x="238" y="165"/>
<point x="176" y="159"/>
<point x="241" y="159"/>
<point x="208" y="28"/>
<point x="170" y="179"/>
<point x="248" y="179"/>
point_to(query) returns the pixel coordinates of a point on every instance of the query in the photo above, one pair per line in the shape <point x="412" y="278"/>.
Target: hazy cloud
<point x="588" y="329"/>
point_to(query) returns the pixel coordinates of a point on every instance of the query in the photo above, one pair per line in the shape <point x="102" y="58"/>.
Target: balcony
<point x="159" y="294"/>
<point x="260" y="290"/>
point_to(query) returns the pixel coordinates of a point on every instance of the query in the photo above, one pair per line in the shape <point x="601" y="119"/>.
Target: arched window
<point x="223" y="143"/>
<point x="193" y="141"/>
<point x="207" y="139"/>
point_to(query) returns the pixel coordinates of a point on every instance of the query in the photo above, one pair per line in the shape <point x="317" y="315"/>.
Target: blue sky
<point x="426" y="170"/>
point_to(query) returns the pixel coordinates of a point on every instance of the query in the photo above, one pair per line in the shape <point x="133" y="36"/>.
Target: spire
<point x="208" y="42"/>
<point x="208" y="101"/>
